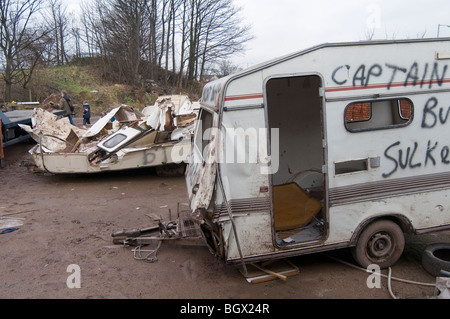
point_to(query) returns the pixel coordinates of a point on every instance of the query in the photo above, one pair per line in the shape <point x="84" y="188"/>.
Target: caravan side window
<point x="376" y="115"/>
<point x="203" y="133"/>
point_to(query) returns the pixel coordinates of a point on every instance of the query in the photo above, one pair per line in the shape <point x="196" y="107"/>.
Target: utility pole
<point x="439" y="28"/>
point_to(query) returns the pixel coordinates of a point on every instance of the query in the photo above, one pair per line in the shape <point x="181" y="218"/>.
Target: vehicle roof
<point x="224" y="81"/>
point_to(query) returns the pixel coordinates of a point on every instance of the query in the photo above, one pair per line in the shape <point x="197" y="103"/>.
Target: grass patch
<point x="72" y="79"/>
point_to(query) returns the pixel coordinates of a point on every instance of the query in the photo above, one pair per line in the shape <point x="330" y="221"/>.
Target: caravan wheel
<point x="381" y="243"/>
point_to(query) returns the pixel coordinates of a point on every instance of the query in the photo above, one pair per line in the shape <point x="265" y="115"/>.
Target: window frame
<point x="199" y="142"/>
<point x="371" y="107"/>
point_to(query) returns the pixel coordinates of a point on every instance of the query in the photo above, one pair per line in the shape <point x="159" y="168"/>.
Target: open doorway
<point x="294" y="107"/>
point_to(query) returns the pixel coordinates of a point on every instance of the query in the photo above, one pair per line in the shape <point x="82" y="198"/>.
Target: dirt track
<point x="69" y="220"/>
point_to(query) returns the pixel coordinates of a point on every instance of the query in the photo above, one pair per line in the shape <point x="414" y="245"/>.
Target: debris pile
<point x="147" y="134"/>
<point x="51" y="102"/>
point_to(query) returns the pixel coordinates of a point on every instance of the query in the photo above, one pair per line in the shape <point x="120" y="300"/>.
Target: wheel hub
<point x="380" y="245"/>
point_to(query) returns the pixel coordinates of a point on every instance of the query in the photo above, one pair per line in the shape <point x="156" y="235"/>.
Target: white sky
<point x="285" y="26"/>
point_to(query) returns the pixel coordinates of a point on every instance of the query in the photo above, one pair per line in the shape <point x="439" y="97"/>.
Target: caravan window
<point x="203" y="134"/>
<point x="375" y="115"/>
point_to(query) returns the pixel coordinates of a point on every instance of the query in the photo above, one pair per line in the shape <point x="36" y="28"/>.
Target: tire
<point x="381" y="242"/>
<point x="435" y="258"/>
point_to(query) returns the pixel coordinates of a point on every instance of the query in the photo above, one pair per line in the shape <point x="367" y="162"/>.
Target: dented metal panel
<point x="79" y="163"/>
<point x="201" y="171"/>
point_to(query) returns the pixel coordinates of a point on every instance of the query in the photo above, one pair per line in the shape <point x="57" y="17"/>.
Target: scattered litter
<point x="442" y="290"/>
<point x="6" y="223"/>
<point x="151" y="253"/>
<point x="9" y="230"/>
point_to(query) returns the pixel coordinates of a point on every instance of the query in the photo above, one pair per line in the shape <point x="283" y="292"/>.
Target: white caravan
<point x="341" y="145"/>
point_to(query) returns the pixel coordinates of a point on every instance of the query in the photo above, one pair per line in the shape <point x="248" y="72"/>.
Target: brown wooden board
<point x="256" y="275"/>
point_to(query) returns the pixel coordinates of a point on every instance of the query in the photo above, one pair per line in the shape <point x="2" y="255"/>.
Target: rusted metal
<point x="182" y="230"/>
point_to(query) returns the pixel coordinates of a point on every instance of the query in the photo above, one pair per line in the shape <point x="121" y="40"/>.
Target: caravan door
<point x="295" y="108"/>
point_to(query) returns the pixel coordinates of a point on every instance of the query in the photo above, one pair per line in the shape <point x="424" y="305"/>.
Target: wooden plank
<point x="280" y="269"/>
<point x="270" y="272"/>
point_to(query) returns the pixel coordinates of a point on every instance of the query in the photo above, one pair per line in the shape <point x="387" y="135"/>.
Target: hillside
<point x="87" y="82"/>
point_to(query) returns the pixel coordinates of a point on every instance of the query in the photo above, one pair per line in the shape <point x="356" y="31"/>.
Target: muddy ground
<point x="69" y="220"/>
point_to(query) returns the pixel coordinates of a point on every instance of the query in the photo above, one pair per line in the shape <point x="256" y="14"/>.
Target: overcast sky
<point x="285" y="26"/>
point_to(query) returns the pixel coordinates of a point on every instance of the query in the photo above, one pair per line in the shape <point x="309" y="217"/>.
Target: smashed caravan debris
<point x="125" y="138"/>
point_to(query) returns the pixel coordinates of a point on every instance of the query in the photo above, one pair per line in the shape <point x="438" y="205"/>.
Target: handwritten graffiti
<point x="407" y="157"/>
<point x="151" y="156"/>
<point x="433" y="115"/>
<point x="169" y="154"/>
<point x="415" y="156"/>
<point x="416" y="75"/>
<point x="210" y="93"/>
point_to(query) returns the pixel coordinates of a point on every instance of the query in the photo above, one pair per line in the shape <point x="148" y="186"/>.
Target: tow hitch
<point x="183" y="230"/>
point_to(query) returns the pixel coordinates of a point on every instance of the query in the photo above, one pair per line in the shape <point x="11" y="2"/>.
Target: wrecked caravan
<point x="341" y="145"/>
<point x="125" y="138"/>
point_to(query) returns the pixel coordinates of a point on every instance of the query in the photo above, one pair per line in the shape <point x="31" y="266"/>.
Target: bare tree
<point x="184" y="34"/>
<point x="91" y="20"/>
<point x="217" y="34"/>
<point x="127" y="34"/>
<point x="119" y="29"/>
<point x="18" y="33"/>
<point x="58" y="22"/>
<point x="225" y="36"/>
<point x="225" y="67"/>
<point x="153" y="35"/>
<point x="422" y="34"/>
<point x="30" y="58"/>
<point x="147" y="38"/>
<point x="170" y="14"/>
<point x="76" y="34"/>
<point x="370" y="33"/>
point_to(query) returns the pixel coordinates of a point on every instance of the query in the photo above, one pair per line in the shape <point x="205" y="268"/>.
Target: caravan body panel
<point x="363" y="125"/>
